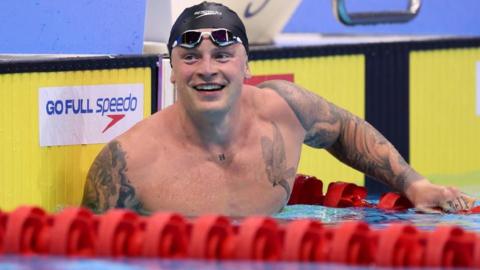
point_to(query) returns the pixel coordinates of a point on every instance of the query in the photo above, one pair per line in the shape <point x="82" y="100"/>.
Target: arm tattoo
<point x="349" y="138"/>
<point x="318" y="117"/>
<point x="107" y="184"/>
<point x="275" y="160"/>
<point x="361" y="146"/>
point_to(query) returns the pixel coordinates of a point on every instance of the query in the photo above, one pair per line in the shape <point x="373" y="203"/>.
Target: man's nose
<point x="207" y="68"/>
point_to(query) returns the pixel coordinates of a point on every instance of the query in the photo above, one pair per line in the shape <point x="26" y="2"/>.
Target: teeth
<point x="209" y="87"/>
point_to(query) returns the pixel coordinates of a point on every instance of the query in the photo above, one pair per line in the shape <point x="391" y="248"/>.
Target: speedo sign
<point x="88" y="114"/>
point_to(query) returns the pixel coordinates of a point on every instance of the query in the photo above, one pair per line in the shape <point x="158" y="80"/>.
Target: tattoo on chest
<point x="273" y="151"/>
<point x="107" y="183"/>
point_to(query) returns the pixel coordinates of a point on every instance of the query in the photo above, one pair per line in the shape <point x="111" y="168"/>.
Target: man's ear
<point x="172" y="76"/>
<point x="248" y="74"/>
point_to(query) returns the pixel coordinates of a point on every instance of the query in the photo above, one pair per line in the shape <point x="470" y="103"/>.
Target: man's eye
<point x="223" y="56"/>
<point x="190" y="57"/>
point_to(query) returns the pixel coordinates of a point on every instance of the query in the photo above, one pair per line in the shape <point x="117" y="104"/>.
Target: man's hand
<point x="430" y="198"/>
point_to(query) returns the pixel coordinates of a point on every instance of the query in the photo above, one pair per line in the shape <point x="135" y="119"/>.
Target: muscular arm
<point x="107" y="185"/>
<point x="347" y="137"/>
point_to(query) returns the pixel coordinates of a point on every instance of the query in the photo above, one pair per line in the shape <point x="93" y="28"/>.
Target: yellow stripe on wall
<point x="445" y="130"/>
<point x="339" y="79"/>
<point x="50" y="177"/>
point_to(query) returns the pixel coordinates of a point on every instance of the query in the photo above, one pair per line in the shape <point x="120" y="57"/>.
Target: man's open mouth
<point x="209" y="87"/>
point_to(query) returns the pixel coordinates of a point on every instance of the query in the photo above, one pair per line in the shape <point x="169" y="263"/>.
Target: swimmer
<point x="229" y="148"/>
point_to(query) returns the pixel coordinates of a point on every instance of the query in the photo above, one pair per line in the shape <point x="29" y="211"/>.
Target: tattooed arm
<point x="107" y="185"/>
<point x="359" y="145"/>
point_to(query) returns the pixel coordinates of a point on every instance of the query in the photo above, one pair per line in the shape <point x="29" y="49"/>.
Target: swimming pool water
<point x="378" y="218"/>
<point x="55" y="263"/>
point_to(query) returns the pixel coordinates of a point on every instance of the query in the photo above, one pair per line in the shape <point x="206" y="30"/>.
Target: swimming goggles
<point x="192" y="38"/>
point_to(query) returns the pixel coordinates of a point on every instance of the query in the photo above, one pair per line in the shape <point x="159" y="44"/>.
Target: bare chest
<point x="252" y="179"/>
<point x="201" y="181"/>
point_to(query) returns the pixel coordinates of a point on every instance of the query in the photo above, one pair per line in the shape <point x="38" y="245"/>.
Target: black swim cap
<point x="208" y="15"/>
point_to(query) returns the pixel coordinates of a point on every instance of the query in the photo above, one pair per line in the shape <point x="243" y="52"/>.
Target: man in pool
<point x="230" y="148"/>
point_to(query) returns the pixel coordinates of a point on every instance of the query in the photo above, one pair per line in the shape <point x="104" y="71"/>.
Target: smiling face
<point x="208" y="78"/>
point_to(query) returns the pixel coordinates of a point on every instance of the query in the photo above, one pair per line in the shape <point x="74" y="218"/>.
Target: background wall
<point x="444" y="124"/>
<point x="436" y="17"/>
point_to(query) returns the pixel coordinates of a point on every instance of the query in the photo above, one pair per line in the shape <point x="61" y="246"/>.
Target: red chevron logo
<point x="115" y="118"/>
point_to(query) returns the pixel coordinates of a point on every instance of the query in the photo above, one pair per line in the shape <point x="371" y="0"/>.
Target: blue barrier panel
<point x="72" y="27"/>
<point x="436" y="17"/>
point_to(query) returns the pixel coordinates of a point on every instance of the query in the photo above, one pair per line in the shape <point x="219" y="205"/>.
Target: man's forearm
<point x="361" y="146"/>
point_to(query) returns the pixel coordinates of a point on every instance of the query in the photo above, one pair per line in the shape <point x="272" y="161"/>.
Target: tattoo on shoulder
<point x="320" y="118"/>
<point x="275" y="160"/>
<point x="107" y="184"/>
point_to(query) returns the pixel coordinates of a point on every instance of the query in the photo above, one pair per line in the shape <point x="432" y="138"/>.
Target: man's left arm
<point x="359" y="145"/>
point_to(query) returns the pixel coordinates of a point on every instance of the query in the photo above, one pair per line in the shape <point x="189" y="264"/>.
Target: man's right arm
<point x="107" y="184"/>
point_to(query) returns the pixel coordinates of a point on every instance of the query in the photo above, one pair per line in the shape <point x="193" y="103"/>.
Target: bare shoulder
<point x="321" y="119"/>
<point x="270" y="104"/>
<point x="147" y="126"/>
<point x="108" y="184"/>
<point x="138" y="140"/>
<point x="298" y="99"/>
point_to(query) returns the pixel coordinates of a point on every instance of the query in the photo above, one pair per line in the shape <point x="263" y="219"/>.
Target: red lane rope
<point x="123" y="233"/>
<point x="308" y="190"/>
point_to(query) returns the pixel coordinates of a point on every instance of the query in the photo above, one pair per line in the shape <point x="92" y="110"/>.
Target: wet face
<point x="209" y="78"/>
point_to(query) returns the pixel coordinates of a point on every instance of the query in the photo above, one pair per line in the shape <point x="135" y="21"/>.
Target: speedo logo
<point x="202" y="13"/>
<point x="88" y="114"/>
<point x="112" y="107"/>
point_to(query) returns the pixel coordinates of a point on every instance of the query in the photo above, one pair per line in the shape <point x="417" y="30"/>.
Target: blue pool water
<point x="378" y="218"/>
<point x="52" y="263"/>
<point x="375" y="217"/>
